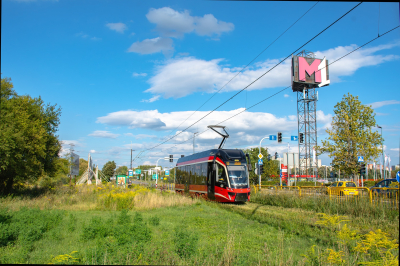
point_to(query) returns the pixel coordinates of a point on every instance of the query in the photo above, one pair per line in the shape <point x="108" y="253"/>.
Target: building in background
<point x="294" y="160"/>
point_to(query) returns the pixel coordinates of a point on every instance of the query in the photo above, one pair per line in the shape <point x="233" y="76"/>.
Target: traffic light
<point x="362" y="169"/>
<point x="301" y="137"/>
<point x="276" y="155"/>
<point x="171" y="158"/>
<point x="261" y="169"/>
<point x="279" y="137"/>
<point x="269" y="157"/>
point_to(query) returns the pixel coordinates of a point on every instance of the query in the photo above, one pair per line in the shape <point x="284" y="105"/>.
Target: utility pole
<point x="193" y="140"/>
<point x="71" y="149"/>
<point x="131" y="158"/>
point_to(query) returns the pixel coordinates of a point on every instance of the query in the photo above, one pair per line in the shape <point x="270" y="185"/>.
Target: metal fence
<point x="387" y="196"/>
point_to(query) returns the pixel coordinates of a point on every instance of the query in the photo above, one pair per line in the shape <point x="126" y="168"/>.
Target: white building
<point x="293" y="159"/>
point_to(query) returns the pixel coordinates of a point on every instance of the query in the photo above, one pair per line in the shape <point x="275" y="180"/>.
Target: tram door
<point x="210" y="182"/>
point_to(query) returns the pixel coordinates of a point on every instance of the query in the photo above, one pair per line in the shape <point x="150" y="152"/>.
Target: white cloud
<point x="144" y="136"/>
<point x="139" y="74"/>
<point x="375" y="105"/>
<point x="286" y="95"/>
<point x="246" y="128"/>
<point x="152" y="99"/>
<point x="150" y="46"/>
<point x="103" y="134"/>
<point x="118" y="27"/>
<point x="172" y="23"/>
<point x="92" y="151"/>
<point x="133" y="119"/>
<point x="323" y="119"/>
<point x="395" y="149"/>
<point x="361" y="58"/>
<point x="66" y="145"/>
<point x="182" y="76"/>
<point x="208" y="25"/>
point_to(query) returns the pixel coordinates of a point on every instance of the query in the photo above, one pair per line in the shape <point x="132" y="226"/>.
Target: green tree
<point x="121" y="170"/>
<point x="83" y="166"/>
<point x="109" y="169"/>
<point x="351" y="136"/>
<point x="28" y="145"/>
<point x="271" y="168"/>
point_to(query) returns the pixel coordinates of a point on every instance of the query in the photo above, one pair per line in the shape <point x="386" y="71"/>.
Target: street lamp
<point x="383" y="162"/>
<point x="165" y="158"/>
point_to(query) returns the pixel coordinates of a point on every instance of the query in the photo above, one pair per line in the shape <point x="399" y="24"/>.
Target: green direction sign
<point x="154" y="176"/>
<point x="138" y="171"/>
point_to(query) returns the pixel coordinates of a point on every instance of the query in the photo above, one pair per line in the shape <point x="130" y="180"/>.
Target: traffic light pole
<point x="259" y="149"/>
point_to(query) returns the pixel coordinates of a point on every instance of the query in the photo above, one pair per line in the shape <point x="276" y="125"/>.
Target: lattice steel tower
<point x="308" y="73"/>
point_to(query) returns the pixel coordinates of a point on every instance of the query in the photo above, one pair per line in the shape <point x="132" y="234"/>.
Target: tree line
<point x="30" y="146"/>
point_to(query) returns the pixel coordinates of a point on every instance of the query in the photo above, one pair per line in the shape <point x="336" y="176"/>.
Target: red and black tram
<point x="218" y="174"/>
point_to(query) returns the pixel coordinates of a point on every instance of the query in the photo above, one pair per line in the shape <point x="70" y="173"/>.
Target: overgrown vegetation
<point x="115" y="225"/>
<point x="354" y="206"/>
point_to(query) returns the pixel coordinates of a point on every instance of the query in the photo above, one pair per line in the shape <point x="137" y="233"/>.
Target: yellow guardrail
<point x="375" y="195"/>
<point x="385" y="195"/>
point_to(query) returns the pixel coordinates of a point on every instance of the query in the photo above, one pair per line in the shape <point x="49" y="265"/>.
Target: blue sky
<point x="128" y="73"/>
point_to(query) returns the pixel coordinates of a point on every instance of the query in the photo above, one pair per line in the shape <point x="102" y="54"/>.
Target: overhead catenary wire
<point x="256" y="78"/>
<point x="280" y="91"/>
<point x="244" y="67"/>
<point x="242" y="70"/>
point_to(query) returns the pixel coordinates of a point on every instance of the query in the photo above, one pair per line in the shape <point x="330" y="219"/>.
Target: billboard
<point x="166" y="172"/>
<point x="309" y="72"/>
<point x="130" y="173"/>
<point x="75" y="164"/>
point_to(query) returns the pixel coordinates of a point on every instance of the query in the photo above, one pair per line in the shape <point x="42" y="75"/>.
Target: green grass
<point x="58" y="228"/>
<point x="202" y="234"/>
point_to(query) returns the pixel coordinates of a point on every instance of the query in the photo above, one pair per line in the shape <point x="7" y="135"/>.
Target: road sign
<point x="272" y="137"/>
<point x="154" y="176"/>
<point x="260" y="156"/>
<point x="293" y="138"/>
<point x="398" y="176"/>
<point x="167" y="172"/>
<point x="260" y="161"/>
<point x="360" y="159"/>
<point x="138" y="171"/>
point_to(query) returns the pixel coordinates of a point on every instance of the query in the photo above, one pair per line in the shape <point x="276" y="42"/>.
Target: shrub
<point x="71" y="225"/>
<point x="154" y="220"/>
<point x="185" y="242"/>
<point x="27" y="225"/>
<point x="96" y="228"/>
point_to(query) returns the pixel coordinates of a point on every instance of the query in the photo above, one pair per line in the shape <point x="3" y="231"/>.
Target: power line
<point x="257" y="78"/>
<point x="269" y="97"/>
<point x="243" y="68"/>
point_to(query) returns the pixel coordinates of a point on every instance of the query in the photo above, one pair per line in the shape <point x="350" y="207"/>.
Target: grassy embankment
<point x="88" y="225"/>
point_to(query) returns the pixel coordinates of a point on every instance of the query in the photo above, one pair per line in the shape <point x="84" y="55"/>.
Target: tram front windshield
<point x="238" y="176"/>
